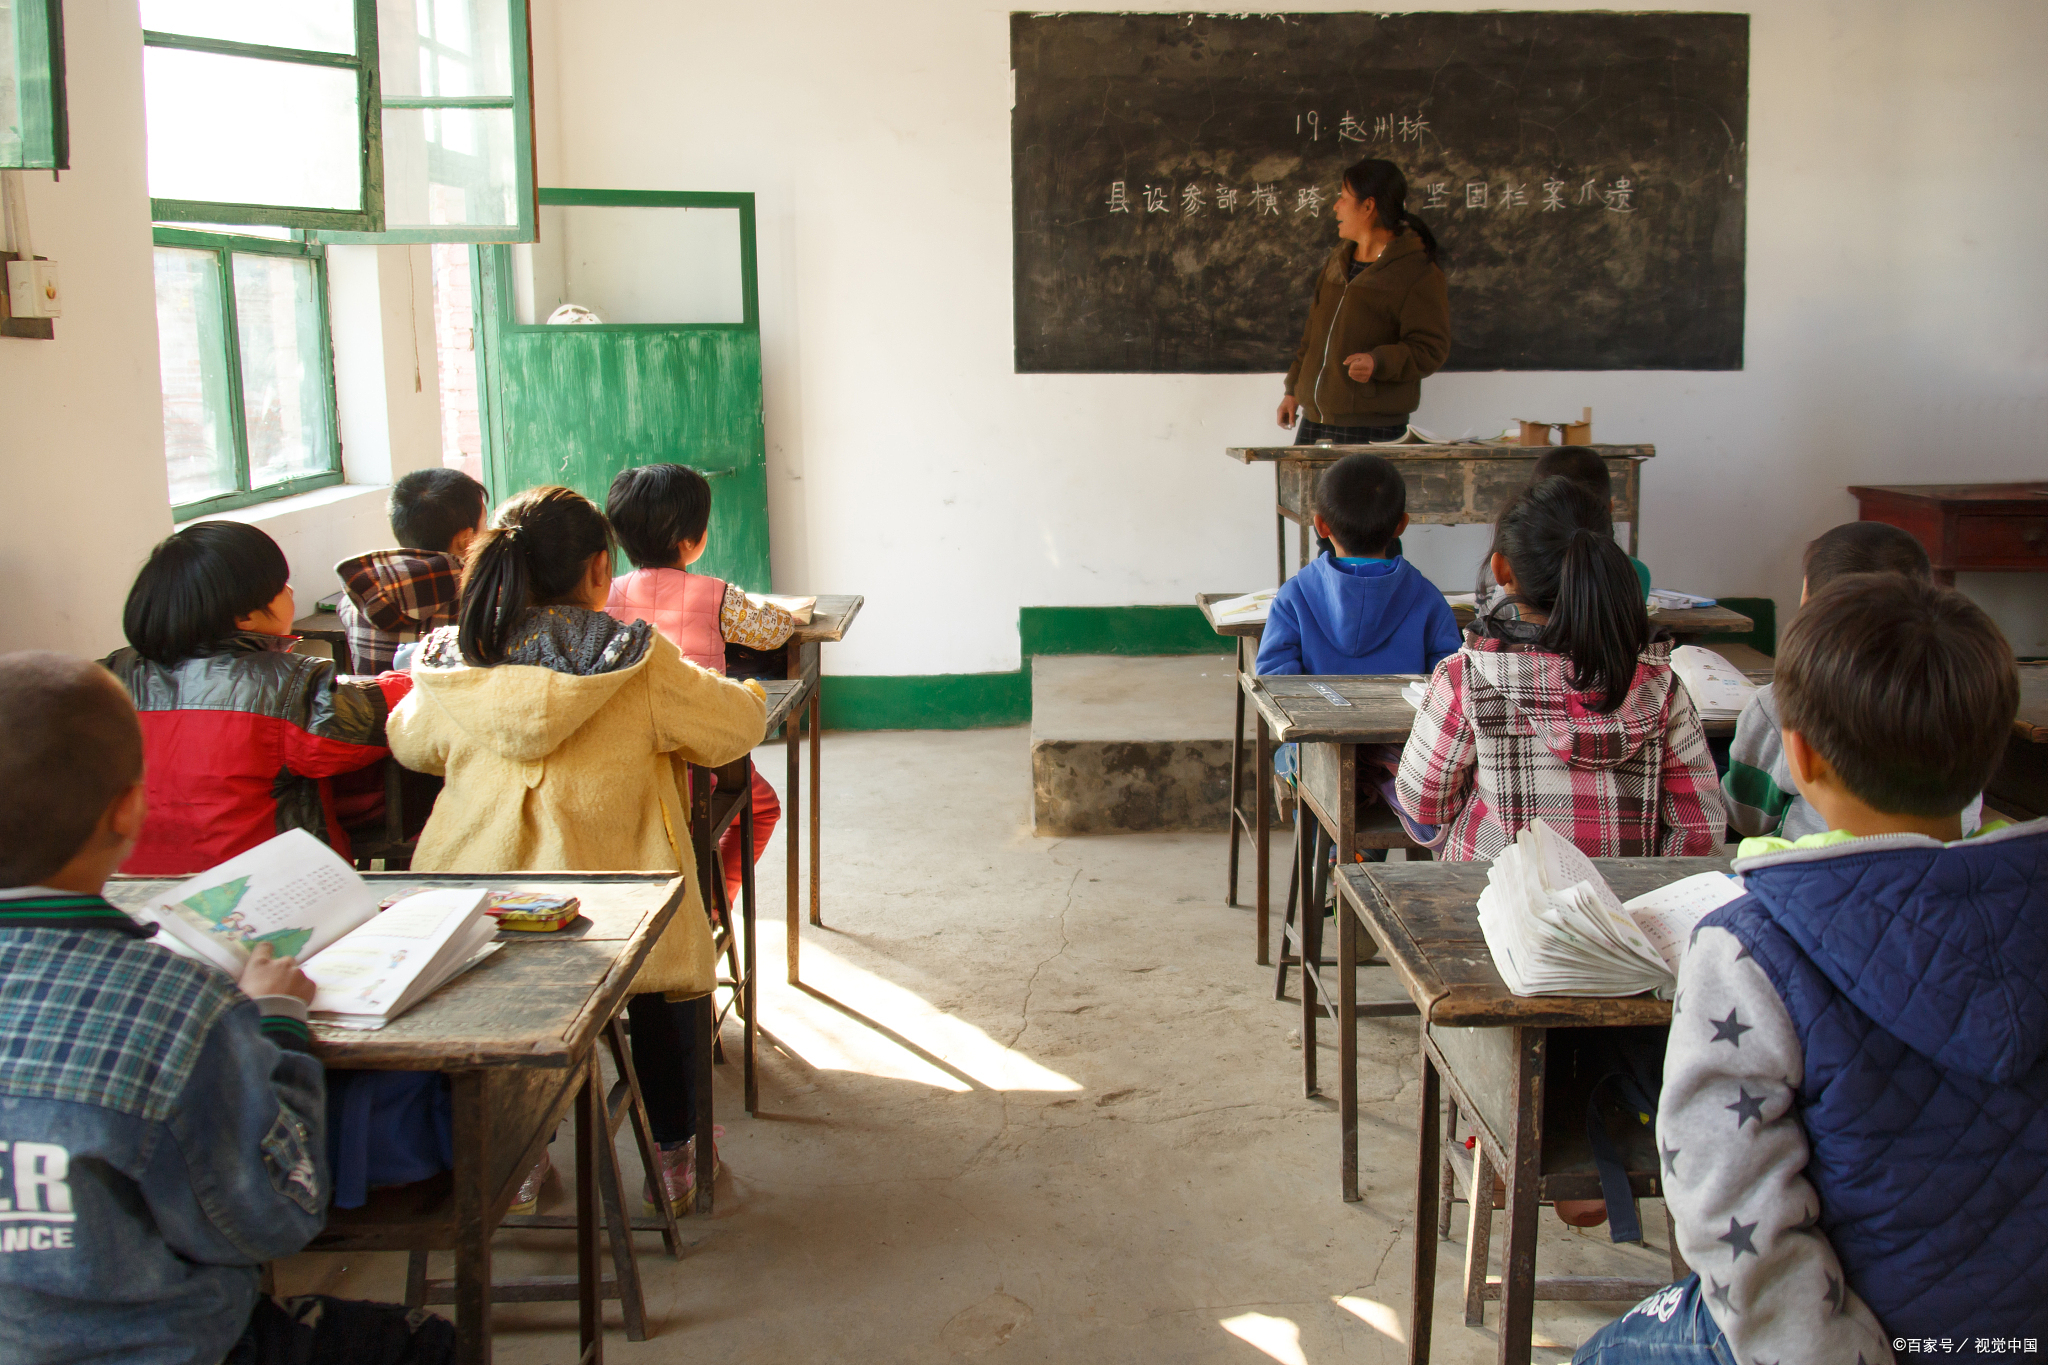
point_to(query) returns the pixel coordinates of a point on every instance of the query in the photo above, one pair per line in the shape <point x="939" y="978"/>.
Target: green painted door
<point x="574" y="404"/>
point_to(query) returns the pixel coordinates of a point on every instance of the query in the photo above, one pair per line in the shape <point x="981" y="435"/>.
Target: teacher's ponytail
<point x="1383" y="183"/>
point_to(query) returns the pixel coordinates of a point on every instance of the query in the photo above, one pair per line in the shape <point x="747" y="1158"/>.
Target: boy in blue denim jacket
<point x="160" y="1124"/>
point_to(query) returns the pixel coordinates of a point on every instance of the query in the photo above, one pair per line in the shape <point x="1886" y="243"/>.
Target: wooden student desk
<point x="1252" y="818"/>
<point x="1448" y="485"/>
<point x="1966" y="527"/>
<point x="1299" y="710"/>
<point x="1504" y="1059"/>
<point x="2020" y="786"/>
<point x="830" y="620"/>
<point x="517" y="1036"/>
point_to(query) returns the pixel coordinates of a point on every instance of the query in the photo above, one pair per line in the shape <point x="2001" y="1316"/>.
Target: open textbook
<point x="1555" y="927"/>
<point x="1417" y="436"/>
<point x="1253" y="606"/>
<point x="300" y="897"/>
<point x="1718" y="688"/>
<point x="799" y="607"/>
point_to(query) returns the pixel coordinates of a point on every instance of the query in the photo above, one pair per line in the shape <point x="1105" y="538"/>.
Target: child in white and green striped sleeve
<point x="1758" y="789"/>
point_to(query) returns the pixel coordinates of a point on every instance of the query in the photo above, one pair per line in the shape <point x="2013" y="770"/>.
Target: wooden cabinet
<point x="1966" y="527"/>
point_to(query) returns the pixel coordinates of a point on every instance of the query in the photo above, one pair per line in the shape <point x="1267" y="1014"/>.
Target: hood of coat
<point x="1535" y="685"/>
<point x="1361" y="607"/>
<point x="1944" y="946"/>
<point x="565" y="664"/>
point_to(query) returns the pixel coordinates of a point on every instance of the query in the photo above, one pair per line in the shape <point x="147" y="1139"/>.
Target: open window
<point x="33" y="130"/>
<point x="248" y="369"/>
<point x="457" y="122"/>
<point x="260" y="112"/>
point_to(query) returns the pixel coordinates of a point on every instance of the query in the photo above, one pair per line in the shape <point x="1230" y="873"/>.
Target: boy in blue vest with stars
<point x="1854" y="1121"/>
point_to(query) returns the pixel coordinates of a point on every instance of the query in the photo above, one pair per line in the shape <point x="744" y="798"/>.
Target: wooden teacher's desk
<point x="517" y="1036"/>
<point x="1508" y="1063"/>
<point x="1448" y="485"/>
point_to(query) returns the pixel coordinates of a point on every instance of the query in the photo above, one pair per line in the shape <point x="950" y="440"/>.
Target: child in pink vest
<point x="662" y="515"/>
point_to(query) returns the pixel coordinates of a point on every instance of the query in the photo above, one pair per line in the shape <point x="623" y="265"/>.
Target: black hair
<point x="430" y="507"/>
<point x="1558" y="538"/>
<point x="1383" y="183"/>
<point x="655" y="507"/>
<point x="1907" y="689"/>
<point x="1862" y="547"/>
<point x="69" y="746"/>
<point x="196" y="584"/>
<point x="1580" y="464"/>
<point x="1362" y="498"/>
<point x="534" y="553"/>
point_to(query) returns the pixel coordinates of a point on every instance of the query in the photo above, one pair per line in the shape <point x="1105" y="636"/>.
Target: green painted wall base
<point x="972" y="701"/>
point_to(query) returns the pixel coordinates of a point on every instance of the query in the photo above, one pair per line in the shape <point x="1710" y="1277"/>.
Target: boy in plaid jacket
<point x="394" y="597"/>
<point x="162" y="1124"/>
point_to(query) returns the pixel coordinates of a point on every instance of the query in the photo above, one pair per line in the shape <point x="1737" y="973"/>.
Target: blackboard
<point x="1173" y="176"/>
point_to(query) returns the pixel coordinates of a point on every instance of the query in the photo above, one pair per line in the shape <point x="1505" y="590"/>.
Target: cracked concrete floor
<point x="1038" y="1105"/>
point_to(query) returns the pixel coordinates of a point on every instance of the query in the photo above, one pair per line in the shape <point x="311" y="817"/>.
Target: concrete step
<point x="1129" y="745"/>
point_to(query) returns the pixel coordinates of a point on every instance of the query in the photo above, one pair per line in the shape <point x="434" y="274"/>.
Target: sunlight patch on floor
<point x="832" y="1040"/>
<point x="1379" y="1316"/>
<point x="1276" y="1337"/>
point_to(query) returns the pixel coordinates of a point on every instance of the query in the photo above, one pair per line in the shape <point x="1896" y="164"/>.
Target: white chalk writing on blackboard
<point x="1195" y="197"/>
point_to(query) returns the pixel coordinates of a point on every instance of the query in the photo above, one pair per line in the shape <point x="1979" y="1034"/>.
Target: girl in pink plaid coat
<point x="1560" y="705"/>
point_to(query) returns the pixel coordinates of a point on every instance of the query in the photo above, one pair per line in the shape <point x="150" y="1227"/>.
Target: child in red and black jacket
<point x="242" y="737"/>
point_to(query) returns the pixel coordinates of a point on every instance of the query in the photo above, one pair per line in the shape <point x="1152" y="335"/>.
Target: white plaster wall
<point x="83" y="492"/>
<point x="1896" y="313"/>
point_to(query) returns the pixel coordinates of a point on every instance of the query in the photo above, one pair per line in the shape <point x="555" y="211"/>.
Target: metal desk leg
<point x="817" y="800"/>
<point x="591" y="1129"/>
<point x="1422" y="1292"/>
<point x="1518" y="1259"/>
<point x="1347" y="1044"/>
<point x="1262" y="838"/>
<point x="793" y="798"/>
<point x="1310" y="938"/>
<point x="1236" y="775"/>
<point x="472" y="1224"/>
<point x="747" y="992"/>
<point x="1478" y="1234"/>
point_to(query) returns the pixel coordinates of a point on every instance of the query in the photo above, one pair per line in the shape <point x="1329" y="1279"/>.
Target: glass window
<point x="628" y="264"/>
<point x="257" y="112"/>
<point x="457" y="121"/>
<point x="33" y="130"/>
<point x="248" y="372"/>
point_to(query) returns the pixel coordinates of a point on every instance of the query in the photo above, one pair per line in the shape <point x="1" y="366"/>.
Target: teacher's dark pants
<point x="1307" y="433"/>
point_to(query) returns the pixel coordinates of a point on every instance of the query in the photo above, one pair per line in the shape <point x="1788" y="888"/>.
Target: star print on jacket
<point x="1742" y="1184"/>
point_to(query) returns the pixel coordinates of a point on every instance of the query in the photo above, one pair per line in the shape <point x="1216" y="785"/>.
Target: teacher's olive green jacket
<point x="1397" y="309"/>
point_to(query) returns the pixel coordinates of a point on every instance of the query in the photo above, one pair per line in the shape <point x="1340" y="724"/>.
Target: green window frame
<point x="370" y="157"/>
<point x="225" y="248"/>
<point x="35" y="133"/>
<point x="519" y="36"/>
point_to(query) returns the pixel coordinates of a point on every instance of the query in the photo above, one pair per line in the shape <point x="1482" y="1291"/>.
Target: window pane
<point x="633" y="264"/>
<point x="322" y="25"/>
<point x="10" y="91"/>
<point x="444" y="47"/>
<point x="31" y="94"/>
<point x="193" y="354"/>
<point x="450" y="167"/>
<point x="274" y="233"/>
<point x="235" y="130"/>
<point x="284" y="378"/>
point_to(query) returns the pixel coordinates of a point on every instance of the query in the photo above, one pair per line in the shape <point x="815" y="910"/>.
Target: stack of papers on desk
<point x="1413" y="692"/>
<point x="1670" y="599"/>
<point x="1718" y="688"/>
<point x="1555" y="927"/>
<point x="304" y="900"/>
<point x="1251" y="607"/>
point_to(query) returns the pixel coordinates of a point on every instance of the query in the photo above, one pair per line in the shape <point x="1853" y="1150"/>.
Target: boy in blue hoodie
<point x="160" y="1122"/>
<point x="1361" y="608"/>
<point x="1854" y="1120"/>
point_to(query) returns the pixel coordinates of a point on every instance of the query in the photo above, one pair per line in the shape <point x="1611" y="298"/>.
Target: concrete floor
<point x="1042" y="1107"/>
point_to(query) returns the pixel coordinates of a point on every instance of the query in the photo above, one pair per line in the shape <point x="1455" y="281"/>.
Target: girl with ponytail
<point x="562" y="733"/>
<point x="1562" y="705"/>
<point x="1379" y="322"/>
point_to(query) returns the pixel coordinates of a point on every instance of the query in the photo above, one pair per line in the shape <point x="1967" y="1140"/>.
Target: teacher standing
<point x="1379" y="323"/>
